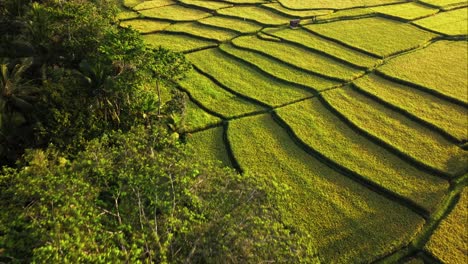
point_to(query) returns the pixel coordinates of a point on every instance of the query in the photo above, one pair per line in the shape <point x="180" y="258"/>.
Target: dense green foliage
<point x="104" y="177"/>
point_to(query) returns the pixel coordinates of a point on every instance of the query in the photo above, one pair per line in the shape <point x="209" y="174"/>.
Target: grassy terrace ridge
<point x="279" y="70"/>
<point x="152" y="4"/>
<point x="209" y="144"/>
<point x="325" y="133"/>
<point x="342" y="4"/>
<point x="298" y="57"/>
<point x="245" y="1"/>
<point x="175" y="13"/>
<point x="235" y="24"/>
<point x="339" y="214"/>
<point x="445" y="116"/>
<point x="181" y="43"/>
<point x="449" y="23"/>
<point x="145" y="25"/>
<point x="378" y="36"/>
<point x="131" y="3"/>
<point x="441" y="67"/>
<point x="255" y="13"/>
<point x="202" y="31"/>
<point x="214" y="97"/>
<point x="210" y="5"/>
<point x="197" y="119"/>
<point x="445" y="4"/>
<point x="314" y="42"/>
<point x="339" y="15"/>
<point x="249" y="81"/>
<point x="295" y="13"/>
<point x="399" y="132"/>
<point x="449" y="241"/>
<point x="125" y="15"/>
<point x="407" y="11"/>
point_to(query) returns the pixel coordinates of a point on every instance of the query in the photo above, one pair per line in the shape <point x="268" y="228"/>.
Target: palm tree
<point x="16" y="97"/>
<point x="16" y="93"/>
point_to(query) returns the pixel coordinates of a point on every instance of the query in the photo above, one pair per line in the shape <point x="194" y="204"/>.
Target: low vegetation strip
<point x="448" y="23"/>
<point x="300" y="4"/>
<point x="298" y="57"/>
<point x="296" y="13"/>
<point x="339" y="214"/>
<point x="445" y="4"/>
<point x="244" y="79"/>
<point x="153" y="4"/>
<point x="209" y="144"/>
<point x="210" y="5"/>
<point x="214" y="97"/>
<point x="407" y="11"/>
<point x="202" y="31"/>
<point x="324" y="132"/>
<point x="406" y="136"/>
<point x="280" y="70"/>
<point x="176" y="42"/>
<point x="346" y="14"/>
<point x="235" y="24"/>
<point x="257" y="14"/>
<point x="197" y="119"/>
<point x="440" y="67"/>
<point x="305" y="38"/>
<point x="449" y="242"/>
<point x="445" y="116"/>
<point x="145" y="25"/>
<point x="175" y="13"/>
<point x="379" y="36"/>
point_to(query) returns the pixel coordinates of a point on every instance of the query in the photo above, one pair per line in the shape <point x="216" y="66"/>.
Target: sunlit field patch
<point x="450" y="23"/>
<point x="338" y="214"/>
<point x="446" y="116"/>
<point x="441" y="67"/>
<point x="378" y="36"/>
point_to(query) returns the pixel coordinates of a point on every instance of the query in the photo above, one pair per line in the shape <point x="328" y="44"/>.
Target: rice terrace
<point x="360" y="110"/>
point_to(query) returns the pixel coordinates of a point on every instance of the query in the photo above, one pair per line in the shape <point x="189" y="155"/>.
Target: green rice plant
<point x="339" y="214"/>
<point x="450" y="23"/>
<point x="176" y="42"/>
<point x="244" y="79"/>
<point x="449" y="241"/>
<point x="153" y="4"/>
<point x="314" y="42"/>
<point x="324" y="132"/>
<point x="441" y="67"/>
<point x="445" y="4"/>
<point x="298" y="57"/>
<point x="211" y="5"/>
<point x="379" y="36"/>
<point x="317" y="4"/>
<point x="280" y="70"/>
<point x="398" y="131"/>
<point x="214" y="97"/>
<point x="444" y="115"/>
<point x="131" y="3"/>
<point x="197" y="119"/>
<point x="209" y="145"/>
<point x="295" y="13"/>
<point x="408" y="11"/>
<point x="175" y="13"/>
<point x="235" y="24"/>
<point x="202" y="31"/>
<point x="414" y="260"/>
<point x="255" y="13"/>
<point x="145" y="25"/>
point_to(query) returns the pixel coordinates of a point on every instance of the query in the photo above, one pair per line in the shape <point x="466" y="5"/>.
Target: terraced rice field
<point x="361" y="113"/>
